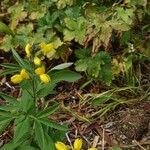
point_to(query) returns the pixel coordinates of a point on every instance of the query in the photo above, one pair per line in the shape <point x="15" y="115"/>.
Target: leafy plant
<point x="28" y="114"/>
<point x="98" y="67"/>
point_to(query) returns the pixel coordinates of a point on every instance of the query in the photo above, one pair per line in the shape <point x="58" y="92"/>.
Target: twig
<point x="69" y="141"/>
<point x="103" y="140"/>
<point x="138" y="144"/>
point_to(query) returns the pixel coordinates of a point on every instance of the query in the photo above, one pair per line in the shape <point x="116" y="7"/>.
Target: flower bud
<point x="28" y="49"/>
<point x="40" y="70"/>
<point x="46" y="48"/>
<point x="45" y="78"/>
<point x="60" y="146"/>
<point x="37" y="61"/>
<point x="24" y="74"/>
<point x="17" y="78"/>
<point x="78" y="144"/>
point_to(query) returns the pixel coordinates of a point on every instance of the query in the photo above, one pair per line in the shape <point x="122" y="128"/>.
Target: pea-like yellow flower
<point x="24" y="74"/>
<point x="17" y="78"/>
<point x="78" y="144"/>
<point x="46" y="48"/>
<point x="40" y="70"/>
<point x="28" y="49"/>
<point x="37" y="61"/>
<point x="61" y="146"/>
<point x="93" y="148"/>
<point x="45" y="78"/>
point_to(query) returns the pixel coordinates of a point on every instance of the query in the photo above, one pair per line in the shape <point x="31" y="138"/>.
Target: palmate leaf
<point x="75" y="29"/>
<point x="10" y="66"/>
<point x="18" y="59"/>
<point x="46" y="112"/>
<point x="53" y="124"/>
<point x="8" y="98"/>
<point x="21" y="129"/>
<point x="43" y="140"/>
<point x="5" y="119"/>
<point x="10" y="146"/>
<point x="27" y="147"/>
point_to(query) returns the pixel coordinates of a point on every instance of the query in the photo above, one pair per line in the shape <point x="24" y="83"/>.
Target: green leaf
<point x="10" y="146"/>
<point x="44" y="90"/>
<point x="26" y="147"/>
<point x="18" y="59"/>
<point x="27" y="103"/>
<point x="9" y="71"/>
<point x="64" y="75"/>
<point x="10" y="66"/>
<point x="21" y="129"/>
<point x="8" y="98"/>
<point x="43" y="140"/>
<point x="52" y="124"/>
<point x="4" y="124"/>
<point x="62" y="66"/>
<point x="4" y="28"/>
<point x="48" y="111"/>
<point x="82" y="65"/>
<point x="75" y="29"/>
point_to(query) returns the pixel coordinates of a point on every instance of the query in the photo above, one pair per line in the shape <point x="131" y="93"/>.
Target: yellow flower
<point x="45" y="78"/>
<point x="40" y="70"/>
<point x="17" y="78"/>
<point x="46" y="48"/>
<point x="61" y="146"/>
<point x="37" y="61"/>
<point x="93" y="148"/>
<point x="78" y="144"/>
<point x="28" y="49"/>
<point x="24" y="74"/>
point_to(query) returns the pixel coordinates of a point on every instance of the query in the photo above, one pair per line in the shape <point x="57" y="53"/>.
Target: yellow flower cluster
<point x="17" y="78"/>
<point x="77" y="145"/>
<point x="45" y="49"/>
<point x="41" y="72"/>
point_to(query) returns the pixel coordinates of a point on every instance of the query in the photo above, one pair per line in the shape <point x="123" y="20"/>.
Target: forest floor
<point x="126" y="125"/>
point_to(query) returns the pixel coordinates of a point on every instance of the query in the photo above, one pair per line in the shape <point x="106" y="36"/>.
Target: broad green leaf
<point x="62" y="66"/>
<point x="48" y="111"/>
<point x="76" y="29"/>
<point x="53" y="124"/>
<point x="21" y="129"/>
<point x="4" y="28"/>
<point x="4" y="120"/>
<point x="81" y="65"/>
<point x="64" y="75"/>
